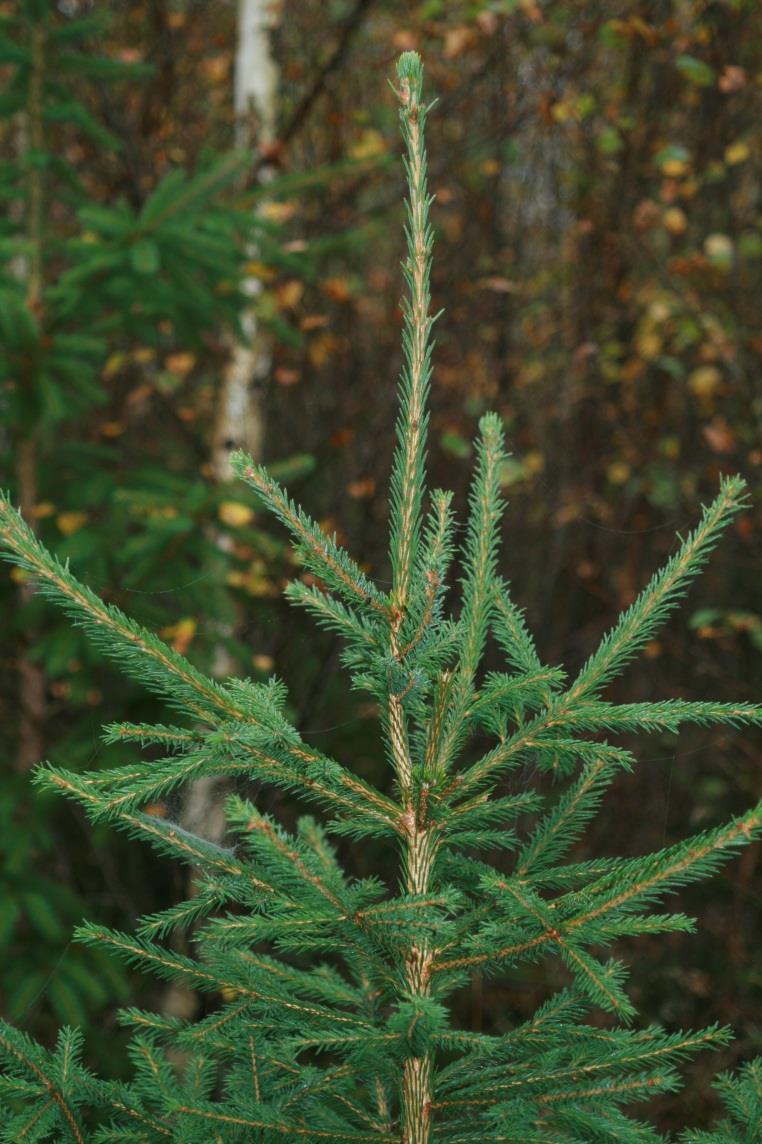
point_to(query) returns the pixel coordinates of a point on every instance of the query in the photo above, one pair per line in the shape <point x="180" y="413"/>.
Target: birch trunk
<point x="239" y="415"/>
<point x="239" y="418"/>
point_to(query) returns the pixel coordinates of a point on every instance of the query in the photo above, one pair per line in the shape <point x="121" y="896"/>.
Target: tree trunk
<point x="239" y="420"/>
<point x="240" y="413"/>
<point x="239" y="416"/>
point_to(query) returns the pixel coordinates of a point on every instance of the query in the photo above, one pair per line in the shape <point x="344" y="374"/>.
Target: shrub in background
<point x="106" y="307"/>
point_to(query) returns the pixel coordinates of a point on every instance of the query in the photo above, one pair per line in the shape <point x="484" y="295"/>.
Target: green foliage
<point x="742" y="1097"/>
<point x="330" y="1012"/>
<point x="96" y="292"/>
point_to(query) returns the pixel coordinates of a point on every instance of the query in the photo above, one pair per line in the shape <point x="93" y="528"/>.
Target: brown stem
<point x="418" y="859"/>
<point x="417" y="1088"/>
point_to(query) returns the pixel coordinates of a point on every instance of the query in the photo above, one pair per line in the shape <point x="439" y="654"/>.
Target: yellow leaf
<point x="235" y="514"/>
<point x="618" y="472"/>
<point x="533" y="462"/>
<point x="675" y="167"/>
<point x="43" y="509"/>
<point x="279" y="212"/>
<point x="259" y="270"/>
<point x="322" y="348"/>
<point x="562" y="111"/>
<point x="648" y="345"/>
<point x="71" y="522"/>
<point x="675" y="220"/>
<point x="737" y="152"/>
<point x="705" y="380"/>
<point x="113" y="364"/>
<point x="252" y="581"/>
<point x="180" y="634"/>
<point x="216" y="68"/>
<point x="289" y="294"/>
<point x="370" y="144"/>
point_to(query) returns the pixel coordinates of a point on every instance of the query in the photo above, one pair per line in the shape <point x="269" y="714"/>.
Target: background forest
<point x="200" y="251"/>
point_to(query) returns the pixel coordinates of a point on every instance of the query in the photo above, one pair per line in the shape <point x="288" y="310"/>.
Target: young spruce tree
<point x="331" y="1018"/>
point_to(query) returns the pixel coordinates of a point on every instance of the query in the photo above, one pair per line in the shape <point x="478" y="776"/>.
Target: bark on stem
<point x="418" y="1071"/>
<point x="418" y="859"/>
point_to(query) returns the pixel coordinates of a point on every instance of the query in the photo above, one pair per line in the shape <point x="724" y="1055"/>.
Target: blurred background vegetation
<point x="599" y="261"/>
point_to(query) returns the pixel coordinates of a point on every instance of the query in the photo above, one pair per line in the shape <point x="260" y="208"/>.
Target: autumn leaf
<point x="180" y="364"/>
<point x="71" y="522"/>
<point x="235" y="514"/>
<point x="180" y="634"/>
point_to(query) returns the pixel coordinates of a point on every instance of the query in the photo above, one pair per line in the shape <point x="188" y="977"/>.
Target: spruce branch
<point x="646" y="879"/>
<point x="141" y="654"/>
<point x="566" y="821"/>
<point x="321" y="553"/>
<point x="643" y="618"/>
<point x="480" y="555"/>
<point x="664" y="715"/>
<point x="742" y="1097"/>
<point x="511" y="631"/>
<point x="46" y="1078"/>
<point x="332" y="614"/>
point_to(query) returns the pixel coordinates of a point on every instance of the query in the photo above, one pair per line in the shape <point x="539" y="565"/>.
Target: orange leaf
<point x="362" y="489"/>
<point x="719" y="436"/>
<point x="180" y="364"/>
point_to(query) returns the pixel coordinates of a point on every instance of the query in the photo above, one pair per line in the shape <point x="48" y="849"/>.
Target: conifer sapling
<point x="331" y="997"/>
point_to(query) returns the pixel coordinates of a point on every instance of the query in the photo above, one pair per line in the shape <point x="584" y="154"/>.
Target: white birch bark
<point x="239" y="414"/>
